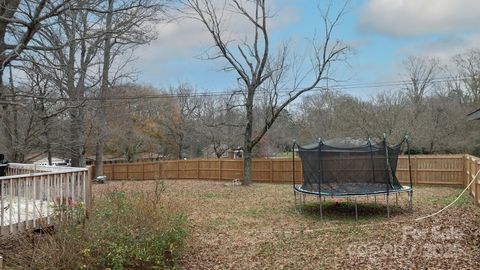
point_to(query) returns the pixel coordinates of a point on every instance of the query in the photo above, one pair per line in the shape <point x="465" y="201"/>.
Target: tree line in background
<point x="76" y="98"/>
<point x="183" y="122"/>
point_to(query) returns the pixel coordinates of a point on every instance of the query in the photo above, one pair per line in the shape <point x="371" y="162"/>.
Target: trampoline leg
<point x="356" y="211"/>
<point x="388" y="206"/>
<point x="300" y="204"/>
<point x="410" y="200"/>
<point x="375" y="199"/>
<point x="295" y="200"/>
<point x="303" y="202"/>
<point x="321" y="208"/>
<point x="396" y="199"/>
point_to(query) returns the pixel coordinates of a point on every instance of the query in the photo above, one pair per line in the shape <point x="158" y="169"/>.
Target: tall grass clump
<point x="127" y="229"/>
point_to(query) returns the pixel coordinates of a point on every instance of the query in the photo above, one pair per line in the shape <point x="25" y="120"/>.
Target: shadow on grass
<point x="345" y="211"/>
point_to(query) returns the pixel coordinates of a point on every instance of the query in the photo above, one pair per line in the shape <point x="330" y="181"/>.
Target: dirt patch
<point x="257" y="227"/>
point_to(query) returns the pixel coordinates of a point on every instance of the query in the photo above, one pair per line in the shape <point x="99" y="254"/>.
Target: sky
<point x="381" y="33"/>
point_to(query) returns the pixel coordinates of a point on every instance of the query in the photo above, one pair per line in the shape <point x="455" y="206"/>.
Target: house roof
<point x="45" y="160"/>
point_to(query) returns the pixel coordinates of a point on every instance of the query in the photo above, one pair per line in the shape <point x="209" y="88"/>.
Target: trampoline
<point x="350" y="168"/>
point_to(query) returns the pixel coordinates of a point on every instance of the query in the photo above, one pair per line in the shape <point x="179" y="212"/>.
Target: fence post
<point x="271" y="170"/>
<point x="477" y="190"/>
<point x="220" y="169"/>
<point x="242" y="169"/>
<point x="198" y="169"/>
<point x="178" y="169"/>
<point x="160" y="170"/>
<point x="474" y="172"/>
<point x="89" y="198"/>
<point x="465" y="170"/>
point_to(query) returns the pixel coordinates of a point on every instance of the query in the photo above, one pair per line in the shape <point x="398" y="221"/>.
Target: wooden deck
<point x="32" y="196"/>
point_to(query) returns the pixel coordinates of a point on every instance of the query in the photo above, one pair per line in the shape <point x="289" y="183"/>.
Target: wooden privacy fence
<point x="452" y="170"/>
<point x="35" y="196"/>
<point x="426" y="169"/>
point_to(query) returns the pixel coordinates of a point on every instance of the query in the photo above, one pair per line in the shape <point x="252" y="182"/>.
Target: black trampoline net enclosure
<point x="346" y="167"/>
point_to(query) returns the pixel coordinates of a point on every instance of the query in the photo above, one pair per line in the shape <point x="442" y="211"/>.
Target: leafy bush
<point x="476" y="151"/>
<point x="418" y="151"/>
<point x="127" y="230"/>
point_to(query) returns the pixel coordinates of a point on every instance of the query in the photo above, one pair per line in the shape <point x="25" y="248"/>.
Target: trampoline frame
<point x="302" y="194"/>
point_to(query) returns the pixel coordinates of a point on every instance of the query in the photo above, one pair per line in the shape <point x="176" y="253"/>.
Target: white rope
<point x="454" y="201"/>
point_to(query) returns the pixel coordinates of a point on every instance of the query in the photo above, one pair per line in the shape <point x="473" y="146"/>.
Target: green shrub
<point x="476" y="151"/>
<point x="127" y="230"/>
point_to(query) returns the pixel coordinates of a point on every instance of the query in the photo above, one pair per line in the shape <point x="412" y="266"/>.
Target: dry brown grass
<point x="256" y="227"/>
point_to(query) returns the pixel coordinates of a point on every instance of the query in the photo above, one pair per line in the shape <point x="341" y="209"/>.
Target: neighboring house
<point x="475" y="115"/>
<point x="141" y="157"/>
<point x="231" y="153"/>
<point x="234" y="153"/>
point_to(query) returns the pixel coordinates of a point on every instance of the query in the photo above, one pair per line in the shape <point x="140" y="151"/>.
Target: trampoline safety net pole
<point x="293" y="163"/>
<point x="409" y="161"/>
<point x="410" y="194"/>
<point x="389" y="171"/>
<point x="320" y="160"/>
<point x="320" y="179"/>
<point x="387" y="161"/>
<point x="372" y="159"/>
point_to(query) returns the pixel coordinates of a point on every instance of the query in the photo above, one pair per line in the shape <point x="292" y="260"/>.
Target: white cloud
<point x="417" y="17"/>
<point x="443" y="48"/>
<point x="187" y="37"/>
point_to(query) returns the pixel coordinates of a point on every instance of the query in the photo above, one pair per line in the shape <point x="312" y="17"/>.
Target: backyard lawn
<point x="257" y="227"/>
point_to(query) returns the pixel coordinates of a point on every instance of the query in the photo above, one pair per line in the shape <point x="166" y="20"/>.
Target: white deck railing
<point x="33" y="196"/>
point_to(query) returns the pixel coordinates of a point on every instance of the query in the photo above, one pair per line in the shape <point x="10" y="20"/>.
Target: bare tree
<point x="468" y="65"/>
<point x="177" y="116"/>
<point x="219" y="124"/>
<point x="125" y="28"/>
<point x="20" y="20"/>
<point x="48" y="108"/>
<point x="93" y="35"/>
<point x="420" y="72"/>
<point x="258" y="68"/>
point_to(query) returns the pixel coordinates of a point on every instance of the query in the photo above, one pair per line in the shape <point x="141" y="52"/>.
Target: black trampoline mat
<point x="350" y="189"/>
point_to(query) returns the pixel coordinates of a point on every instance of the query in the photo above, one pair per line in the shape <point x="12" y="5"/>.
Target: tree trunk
<point x="248" y="146"/>
<point x="76" y="138"/>
<point x="102" y="117"/>
<point x="46" y="133"/>
<point x="180" y="146"/>
<point x="10" y="123"/>
<point x="247" y="167"/>
<point x="15" y="143"/>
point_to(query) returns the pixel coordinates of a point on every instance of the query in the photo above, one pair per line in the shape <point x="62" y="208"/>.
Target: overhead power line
<point x="347" y="86"/>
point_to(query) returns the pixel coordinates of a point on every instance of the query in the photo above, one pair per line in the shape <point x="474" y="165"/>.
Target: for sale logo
<point x="435" y="242"/>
